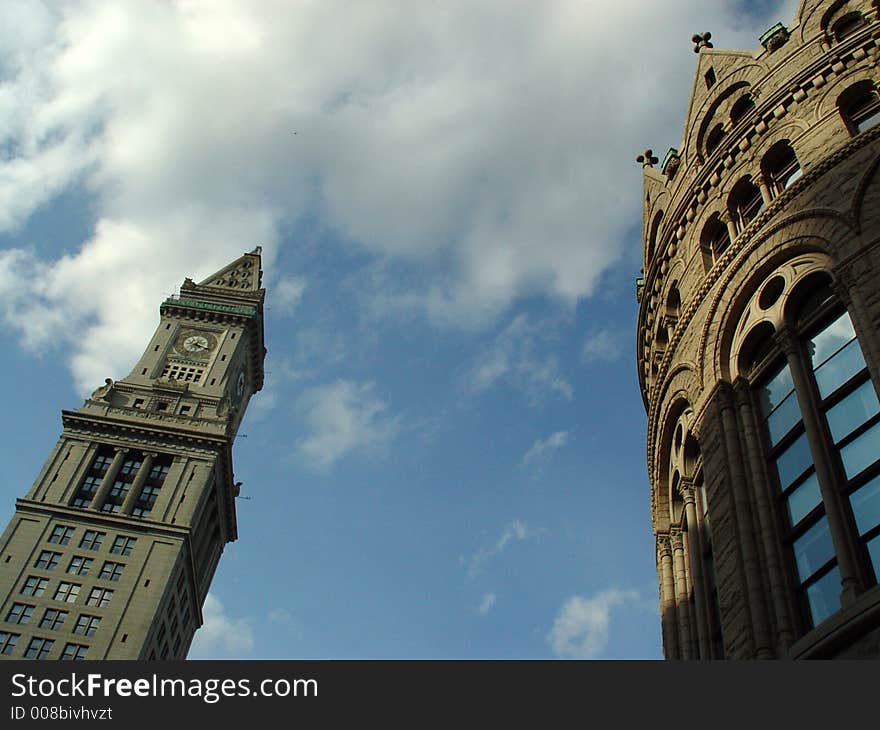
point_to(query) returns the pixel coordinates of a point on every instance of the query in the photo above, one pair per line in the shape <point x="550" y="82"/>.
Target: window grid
<point x="182" y="372"/>
<point x="123" y="545"/>
<point x="92" y="540"/>
<point x="67" y="592"/>
<point x="74" y="652"/>
<point x="47" y="560"/>
<point x="79" y="565"/>
<point x="34" y="586"/>
<point x="111" y="571"/>
<point x="7" y="642"/>
<point x="60" y="535"/>
<point x="99" y="597"/>
<point x="38" y="648"/>
<point x="53" y="619"/>
<point x="20" y="613"/>
<point x="87" y="625"/>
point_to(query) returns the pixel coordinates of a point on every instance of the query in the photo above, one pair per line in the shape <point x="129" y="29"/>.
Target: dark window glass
<point x="8" y="642"/>
<point x="866" y="506"/>
<point x="852" y="411"/>
<point x="861" y="452"/>
<point x="38" y="648"/>
<point x="824" y="596"/>
<point x="813" y="549"/>
<point x="804" y="499"/>
<point x="794" y="461"/>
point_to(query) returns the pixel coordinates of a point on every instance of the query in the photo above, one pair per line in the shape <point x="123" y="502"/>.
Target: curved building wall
<point x="758" y="347"/>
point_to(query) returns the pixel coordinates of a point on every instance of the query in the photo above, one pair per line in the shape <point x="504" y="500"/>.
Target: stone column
<point x="109" y="478"/>
<point x="668" y="618"/>
<point x="765" y="504"/>
<point x="851" y="580"/>
<point x="138" y="484"/>
<point x="695" y="551"/>
<point x="766" y="195"/>
<point x="681" y="593"/>
<point x="752" y="563"/>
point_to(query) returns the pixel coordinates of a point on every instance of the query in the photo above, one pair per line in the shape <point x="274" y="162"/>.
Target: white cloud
<point x="542" y="447"/>
<point x="343" y="417"/>
<point x="582" y="627"/>
<point x="486" y="604"/>
<point x="516" y="531"/>
<point x="285" y="294"/>
<point x="221" y="636"/>
<point x="488" y="144"/>
<point x="519" y="356"/>
<point x="601" y="346"/>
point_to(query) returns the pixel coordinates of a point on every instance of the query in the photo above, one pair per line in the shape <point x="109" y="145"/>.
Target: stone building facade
<point x="111" y="553"/>
<point x="758" y="346"/>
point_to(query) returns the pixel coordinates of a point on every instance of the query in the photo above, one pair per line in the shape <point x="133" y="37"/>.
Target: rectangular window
<point x="99" y="597"/>
<point x="111" y="571"/>
<point x="86" y="492"/>
<point x="122" y="484"/>
<point x="19" y="613"/>
<point x="87" y="625"/>
<point x="123" y="545"/>
<point x="74" y="652"/>
<point x="47" y="560"/>
<point x="53" y="619"/>
<point x="38" y="648"/>
<point x="79" y="565"/>
<point x="152" y="486"/>
<point x="61" y="535"/>
<point x="92" y="540"/>
<point x="182" y="372"/>
<point x="34" y="586"/>
<point x="8" y="642"/>
<point x="67" y="592"/>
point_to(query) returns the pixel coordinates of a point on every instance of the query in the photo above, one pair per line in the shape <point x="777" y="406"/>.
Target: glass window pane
<point x="862" y="452"/>
<point x="874" y="552"/>
<point x="824" y="596"/>
<point x="813" y="549"/>
<point x="830" y="339"/>
<point x="840" y="368"/>
<point x="803" y="499"/>
<point x="853" y="411"/>
<point x="775" y="390"/>
<point x="784" y="418"/>
<point x="794" y="461"/>
<point x="866" y="505"/>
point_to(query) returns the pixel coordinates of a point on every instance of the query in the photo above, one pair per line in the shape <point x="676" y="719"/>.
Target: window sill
<point x="842" y="630"/>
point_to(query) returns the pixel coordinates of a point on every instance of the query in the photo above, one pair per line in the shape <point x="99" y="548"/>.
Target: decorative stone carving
<point x="701" y="40"/>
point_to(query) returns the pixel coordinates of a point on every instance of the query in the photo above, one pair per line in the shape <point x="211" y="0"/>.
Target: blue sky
<point x="447" y="459"/>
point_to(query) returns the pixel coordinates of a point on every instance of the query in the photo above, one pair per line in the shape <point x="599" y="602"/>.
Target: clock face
<point x="239" y="384"/>
<point x="195" y="343"/>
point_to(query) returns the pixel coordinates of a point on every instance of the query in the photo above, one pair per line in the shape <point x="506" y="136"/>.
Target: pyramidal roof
<point x="242" y="275"/>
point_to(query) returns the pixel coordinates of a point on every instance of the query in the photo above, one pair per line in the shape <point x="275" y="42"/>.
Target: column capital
<point x="787" y="341"/>
<point x="664" y="546"/>
<point x="121" y="449"/>
<point x="686" y="490"/>
<point x="676" y="539"/>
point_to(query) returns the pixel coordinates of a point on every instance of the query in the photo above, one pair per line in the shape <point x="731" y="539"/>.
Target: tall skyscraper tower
<point x="111" y="553"/>
<point x="758" y="346"/>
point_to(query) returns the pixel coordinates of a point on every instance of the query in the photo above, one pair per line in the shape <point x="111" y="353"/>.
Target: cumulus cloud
<point x="488" y="144"/>
<point x="342" y="418"/>
<point x="284" y="294"/>
<point x="516" y="531"/>
<point x="520" y="355"/>
<point x="582" y="627"/>
<point x="601" y="346"/>
<point x="486" y="604"/>
<point x="221" y="636"/>
<point x="542" y="447"/>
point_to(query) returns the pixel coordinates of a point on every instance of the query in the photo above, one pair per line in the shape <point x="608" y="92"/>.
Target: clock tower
<point x="111" y="553"/>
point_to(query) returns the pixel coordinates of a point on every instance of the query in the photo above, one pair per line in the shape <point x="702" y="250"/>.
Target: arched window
<point x="742" y="107"/>
<point x="821" y="419"/>
<point x="846" y="25"/>
<point x="714" y="240"/>
<point x="859" y="106"/>
<point x="744" y="203"/>
<point x="780" y="167"/>
<point x="713" y="139"/>
<point x="653" y="233"/>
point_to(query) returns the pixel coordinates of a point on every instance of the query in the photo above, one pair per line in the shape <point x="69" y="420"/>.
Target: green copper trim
<point x="215" y="307"/>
